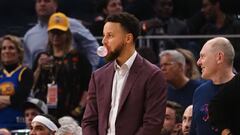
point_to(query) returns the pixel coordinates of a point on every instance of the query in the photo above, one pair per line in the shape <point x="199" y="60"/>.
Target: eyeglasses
<point x="167" y="64"/>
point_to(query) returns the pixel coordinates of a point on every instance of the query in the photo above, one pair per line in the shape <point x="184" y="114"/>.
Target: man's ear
<point x="181" y="66"/>
<point x="178" y="126"/>
<point x="220" y="57"/>
<point x="129" y="38"/>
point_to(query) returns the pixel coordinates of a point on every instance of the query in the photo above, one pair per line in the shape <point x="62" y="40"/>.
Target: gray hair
<point x="68" y="125"/>
<point x="69" y="128"/>
<point x="175" y="55"/>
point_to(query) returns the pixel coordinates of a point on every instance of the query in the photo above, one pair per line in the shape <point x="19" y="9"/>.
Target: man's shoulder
<point x="74" y="23"/>
<point x="146" y="64"/>
<point x="235" y="79"/>
<point x="104" y="69"/>
<point x="233" y="84"/>
<point x="78" y="29"/>
<point x="146" y="69"/>
<point x="204" y="86"/>
<point x="32" y="30"/>
<point x="197" y="82"/>
<point x="73" y="20"/>
<point x="36" y="29"/>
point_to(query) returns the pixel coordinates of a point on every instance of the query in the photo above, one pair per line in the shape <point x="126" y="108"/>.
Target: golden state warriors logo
<point x="58" y="20"/>
<point x="7" y="88"/>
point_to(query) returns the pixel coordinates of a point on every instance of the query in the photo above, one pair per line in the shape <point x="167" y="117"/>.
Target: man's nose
<point x="199" y="62"/>
<point x="104" y="40"/>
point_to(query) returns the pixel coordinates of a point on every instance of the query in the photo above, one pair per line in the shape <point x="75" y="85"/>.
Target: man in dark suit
<point x="128" y="95"/>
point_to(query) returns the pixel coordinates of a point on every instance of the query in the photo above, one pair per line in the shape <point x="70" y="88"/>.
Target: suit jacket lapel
<point x="107" y="89"/>
<point x="133" y="74"/>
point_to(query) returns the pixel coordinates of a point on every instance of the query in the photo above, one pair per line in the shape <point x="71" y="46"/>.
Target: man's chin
<point x="165" y="132"/>
<point x="111" y="57"/>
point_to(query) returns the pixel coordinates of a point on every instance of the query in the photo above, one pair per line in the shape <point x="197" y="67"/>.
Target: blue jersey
<point x="10" y="117"/>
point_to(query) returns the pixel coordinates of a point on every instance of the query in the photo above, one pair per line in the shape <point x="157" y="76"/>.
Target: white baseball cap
<point x="37" y="103"/>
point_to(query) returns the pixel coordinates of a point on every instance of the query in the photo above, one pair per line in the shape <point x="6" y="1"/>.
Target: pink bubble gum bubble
<point x="102" y="51"/>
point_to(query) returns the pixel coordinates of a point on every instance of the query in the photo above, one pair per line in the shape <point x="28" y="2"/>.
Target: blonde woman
<point x="63" y="69"/>
<point x="15" y="83"/>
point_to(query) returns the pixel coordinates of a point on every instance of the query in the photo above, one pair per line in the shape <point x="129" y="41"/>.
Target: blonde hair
<point x="17" y="42"/>
<point x="191" y="65"/>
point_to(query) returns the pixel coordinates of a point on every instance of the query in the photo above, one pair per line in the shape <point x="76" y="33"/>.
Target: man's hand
<point x="4" y="101"/>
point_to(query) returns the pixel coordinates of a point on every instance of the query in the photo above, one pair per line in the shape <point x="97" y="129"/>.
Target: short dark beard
<point x="113" y="55"/>
<point x="165" y="132"/>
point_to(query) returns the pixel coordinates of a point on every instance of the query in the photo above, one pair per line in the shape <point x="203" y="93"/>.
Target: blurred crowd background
<point x="18" y="16"/>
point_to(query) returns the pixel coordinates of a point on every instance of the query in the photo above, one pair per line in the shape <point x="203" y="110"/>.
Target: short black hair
<point x="128" y="21"/>
<point x="29" y="105"/>
<point x="178" y="109"/>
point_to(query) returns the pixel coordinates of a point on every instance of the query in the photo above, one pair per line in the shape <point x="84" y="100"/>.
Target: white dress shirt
<point x="119" y="80"/>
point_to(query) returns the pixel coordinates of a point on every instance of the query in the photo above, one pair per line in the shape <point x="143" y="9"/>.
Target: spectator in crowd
<point x="32" y="108"/>
<point x="163" y="23"/>
<point x="224" y="110"/>
<point x="68" y="126"/>
<point x="191" y="69"/>
<point x="173" y="118"/>
<point x="106" y="7"/>
<point x="213" y="20"/>
<point x="44" y="125"/>
<point x="67" y="120"/>
<point x="216" y="62"/>
<point x="128" y="95"/>
<point x="63" y="69"/>
<point x="69" y="130"/>
<point x="35" y="40"/>
<point x="15" y="83"/>
<point x="181" y="88"/>
<point x="186" y="120"/>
